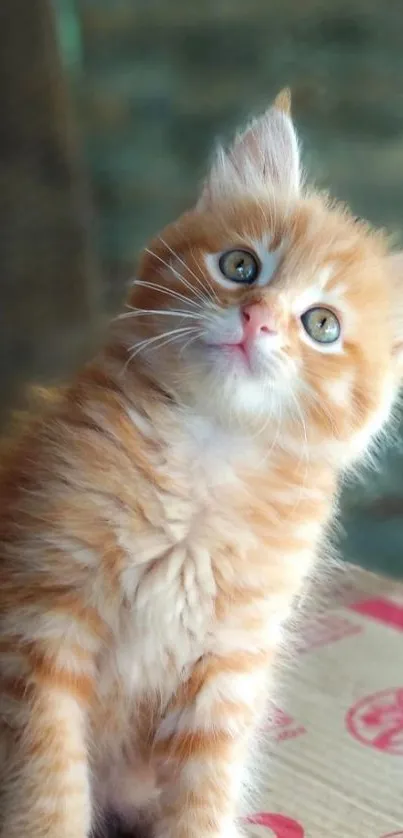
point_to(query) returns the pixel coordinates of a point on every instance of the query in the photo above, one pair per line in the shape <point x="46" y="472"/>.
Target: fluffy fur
<point x="159" y="516"/>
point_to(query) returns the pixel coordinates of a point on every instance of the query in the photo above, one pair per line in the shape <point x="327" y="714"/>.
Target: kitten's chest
<point x="212" y="512"/>
<point x="173" y="616"/>
<point x="221" y="535"/>
<point x="214" y="462"/>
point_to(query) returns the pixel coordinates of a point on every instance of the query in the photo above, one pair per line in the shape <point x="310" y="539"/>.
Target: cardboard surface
<point x="335" y="767"/>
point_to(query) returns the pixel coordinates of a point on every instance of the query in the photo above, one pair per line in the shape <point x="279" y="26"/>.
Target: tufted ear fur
<point x="265" y="157"/>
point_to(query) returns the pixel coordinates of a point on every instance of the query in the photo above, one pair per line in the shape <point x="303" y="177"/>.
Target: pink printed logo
<point x="280" y="825"/>
<point x="377" y="721"/>
<point x="323" y="630"/>
<point x="281" y="726"/>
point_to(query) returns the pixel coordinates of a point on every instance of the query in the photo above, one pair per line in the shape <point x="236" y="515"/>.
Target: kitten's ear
<point x="265" y="157"/>
<point x="396" y="266"/>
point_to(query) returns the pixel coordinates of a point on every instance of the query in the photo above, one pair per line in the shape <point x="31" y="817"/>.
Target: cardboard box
<point x="335" y="743"/>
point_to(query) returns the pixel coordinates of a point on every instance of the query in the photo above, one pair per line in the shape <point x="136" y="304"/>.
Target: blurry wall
<point x="48" y="286"/>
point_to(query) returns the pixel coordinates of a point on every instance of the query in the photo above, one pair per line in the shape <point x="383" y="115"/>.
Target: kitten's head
<point x="267" y="306"/>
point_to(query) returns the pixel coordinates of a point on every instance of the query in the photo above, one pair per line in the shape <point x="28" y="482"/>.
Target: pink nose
<point x="257" y="320"/>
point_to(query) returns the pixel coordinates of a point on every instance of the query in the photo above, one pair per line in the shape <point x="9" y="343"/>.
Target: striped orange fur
<point x="159" y="515"/>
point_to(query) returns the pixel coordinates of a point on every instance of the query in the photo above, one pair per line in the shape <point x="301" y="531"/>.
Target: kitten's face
<point x="282" y="305"/>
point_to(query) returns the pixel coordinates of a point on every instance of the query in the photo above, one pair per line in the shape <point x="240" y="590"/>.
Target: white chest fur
<point x="171" y="580"/>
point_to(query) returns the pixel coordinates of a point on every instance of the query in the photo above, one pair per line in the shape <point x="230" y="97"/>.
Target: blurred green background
<point x="109" y="112"/>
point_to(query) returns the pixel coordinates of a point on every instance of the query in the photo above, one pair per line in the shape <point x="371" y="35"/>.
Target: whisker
<point x="203" y="280"/>
<point x="188" y="285"/>
<point x="137" y="312"/>
<point x="302" y="420"/>
<point x="152" y="340"/>
<point x="176" y="256"/>
<point x="169" y="291"/>
<point x="148" y="341"/>
<point x="279" y="421"/>
<point x="178" y="275"/>
<point x="214" y="297"/>
<point x="194" y="337"/>
<point x="319" y="403"/>
<point x="320" y="406"/>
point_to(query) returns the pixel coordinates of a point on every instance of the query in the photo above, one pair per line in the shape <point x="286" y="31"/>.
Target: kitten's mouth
<point x="244" y="358"/>
<point x="239" y="352"/>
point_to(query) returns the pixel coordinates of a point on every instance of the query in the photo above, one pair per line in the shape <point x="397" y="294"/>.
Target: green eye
<point x="321" y="325"/>
<point x="239" y="266"/>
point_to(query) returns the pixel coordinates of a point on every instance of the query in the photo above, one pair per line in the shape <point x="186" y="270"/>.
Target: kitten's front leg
<point x="45" y="780"/>
<point x="202" y="745"/>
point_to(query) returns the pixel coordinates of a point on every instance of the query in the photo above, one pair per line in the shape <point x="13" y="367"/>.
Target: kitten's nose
<point x="257" y="319"/>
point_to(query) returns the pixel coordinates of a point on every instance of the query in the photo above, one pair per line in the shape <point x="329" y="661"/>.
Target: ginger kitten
<point x="160" y="515"/>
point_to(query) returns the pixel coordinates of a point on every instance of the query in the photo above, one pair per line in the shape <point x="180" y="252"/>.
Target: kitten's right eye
<point x="239" y="266"/>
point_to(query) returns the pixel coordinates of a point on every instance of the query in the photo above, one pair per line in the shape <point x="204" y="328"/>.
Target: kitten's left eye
<point x="239" y="266"/>
<point x="321" y="324"/>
